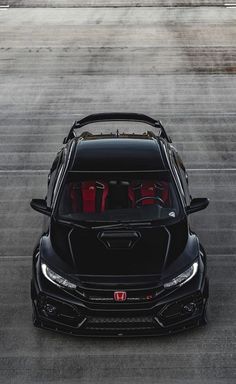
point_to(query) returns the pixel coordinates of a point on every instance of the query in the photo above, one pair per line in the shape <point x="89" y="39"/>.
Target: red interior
<point x="149" y="189"/>
<point x="88" y="190"/>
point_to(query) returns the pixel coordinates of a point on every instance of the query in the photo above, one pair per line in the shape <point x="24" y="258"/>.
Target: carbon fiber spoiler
<point x="116" y="116"/>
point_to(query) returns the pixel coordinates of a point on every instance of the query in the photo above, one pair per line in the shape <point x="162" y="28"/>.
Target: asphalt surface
<point x="58" y="64"/>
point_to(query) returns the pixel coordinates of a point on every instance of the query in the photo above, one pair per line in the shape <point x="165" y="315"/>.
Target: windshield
<point x="118" y="197"/>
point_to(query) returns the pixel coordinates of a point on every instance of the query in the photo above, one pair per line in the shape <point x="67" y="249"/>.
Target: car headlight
<point x="183" y="277"/>
<point x="55" y="278"/>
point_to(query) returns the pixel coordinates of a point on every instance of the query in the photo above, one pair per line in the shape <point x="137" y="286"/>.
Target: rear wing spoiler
<point x="116" y="116"/>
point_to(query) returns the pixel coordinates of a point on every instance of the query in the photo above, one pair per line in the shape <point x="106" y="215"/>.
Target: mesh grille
<point x="120" y="323"/>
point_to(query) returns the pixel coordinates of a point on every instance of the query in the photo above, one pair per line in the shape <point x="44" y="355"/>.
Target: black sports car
<point x="117" y="255"/>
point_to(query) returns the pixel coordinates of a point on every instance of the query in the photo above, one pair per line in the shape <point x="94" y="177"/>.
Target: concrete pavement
<point x="59" y="64"/>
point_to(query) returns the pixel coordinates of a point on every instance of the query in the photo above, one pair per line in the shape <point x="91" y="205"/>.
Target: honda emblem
<point x="120" y="296"/>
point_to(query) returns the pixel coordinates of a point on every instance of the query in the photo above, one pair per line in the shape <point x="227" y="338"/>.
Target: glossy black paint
<point x="100" y="261"/>
<point x="40" y="205"/>
<point x="197" y="205"/>
<point x="124" y="154"/>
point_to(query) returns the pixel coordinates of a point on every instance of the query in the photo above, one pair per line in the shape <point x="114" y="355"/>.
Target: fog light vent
<point x="50" y="309"/>
<point x="189" y="308"/>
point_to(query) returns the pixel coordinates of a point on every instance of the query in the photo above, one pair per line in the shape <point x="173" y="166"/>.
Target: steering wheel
<point x="137" y="202"/>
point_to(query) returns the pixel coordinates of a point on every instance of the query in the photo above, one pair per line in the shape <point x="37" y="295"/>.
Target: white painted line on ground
<point x="228" y="5"/>
<point x="24" y="170"/>
<point x="4" y="7"/>
<point x="211" y="169"/>
<point x="15" y="257"/>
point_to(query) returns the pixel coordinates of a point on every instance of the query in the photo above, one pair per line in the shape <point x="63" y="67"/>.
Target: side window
<point x="183" y="177"/>
<point x="52" y="176"/>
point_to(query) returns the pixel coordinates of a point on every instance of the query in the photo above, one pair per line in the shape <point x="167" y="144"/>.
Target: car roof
<point x="118" y="154"/>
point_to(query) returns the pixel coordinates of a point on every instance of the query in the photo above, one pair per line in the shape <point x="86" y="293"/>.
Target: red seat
<point x="88" y="192"/>
<point x="88" y="196"/>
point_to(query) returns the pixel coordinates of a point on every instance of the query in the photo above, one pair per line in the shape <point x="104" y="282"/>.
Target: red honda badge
<point x="120" y="296"/>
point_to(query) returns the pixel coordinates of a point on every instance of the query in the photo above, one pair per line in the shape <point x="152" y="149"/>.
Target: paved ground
<point x="58" y="64"/>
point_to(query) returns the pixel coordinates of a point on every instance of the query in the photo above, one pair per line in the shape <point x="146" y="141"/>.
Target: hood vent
<point x="119" y="239"/>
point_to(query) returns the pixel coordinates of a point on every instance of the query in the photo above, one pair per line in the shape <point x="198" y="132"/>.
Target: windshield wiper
<point x="123" y="225"/>
<point x="117" y="224"/>
<point x="72" y="224"/>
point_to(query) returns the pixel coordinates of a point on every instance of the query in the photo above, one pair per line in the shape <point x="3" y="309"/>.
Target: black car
<point x="117" y="255"/>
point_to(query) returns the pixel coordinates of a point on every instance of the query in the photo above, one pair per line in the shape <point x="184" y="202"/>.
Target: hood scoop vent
<point x="119" y="239"/>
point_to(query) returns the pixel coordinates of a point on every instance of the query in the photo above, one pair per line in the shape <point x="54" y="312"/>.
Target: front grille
<point x="106" y="296"/>
<point x="120" y="323"/>
<point x="118" y="320"/>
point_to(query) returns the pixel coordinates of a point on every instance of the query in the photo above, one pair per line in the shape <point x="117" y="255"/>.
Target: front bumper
<point x="113" y="324"/>
<point x="180" y="310"/>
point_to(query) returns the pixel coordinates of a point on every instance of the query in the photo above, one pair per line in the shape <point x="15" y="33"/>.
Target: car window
<point x="119" y="197"/>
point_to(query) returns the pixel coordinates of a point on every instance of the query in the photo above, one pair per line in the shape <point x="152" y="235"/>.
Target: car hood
<point x="155" y="250"/>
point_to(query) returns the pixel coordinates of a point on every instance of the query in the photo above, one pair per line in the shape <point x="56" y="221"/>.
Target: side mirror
<point x="197" y="205"/>
<point x="40" y="205"/>
<point x="65" y="140"/>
